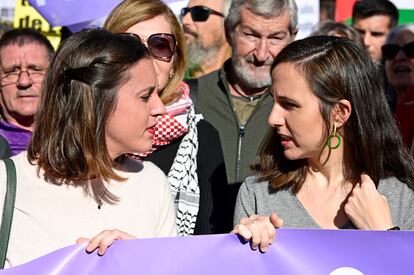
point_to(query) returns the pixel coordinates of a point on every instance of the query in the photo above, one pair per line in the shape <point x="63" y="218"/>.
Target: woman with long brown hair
<point x="333" y="157"/>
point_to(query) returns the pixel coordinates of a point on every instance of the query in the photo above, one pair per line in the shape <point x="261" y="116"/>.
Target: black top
<point x="215" y="214"/>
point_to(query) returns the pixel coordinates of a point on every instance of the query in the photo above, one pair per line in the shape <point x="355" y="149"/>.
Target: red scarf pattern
<point x="172" y="124"/>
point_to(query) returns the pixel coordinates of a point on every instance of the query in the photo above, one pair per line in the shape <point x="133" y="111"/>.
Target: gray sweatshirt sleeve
<point x="245" y="202"/>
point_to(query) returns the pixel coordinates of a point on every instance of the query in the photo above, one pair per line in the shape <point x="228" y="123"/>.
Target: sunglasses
<point x="390" y="51"/>
<point x="160" y="45"/>
<point x="199" y="13"/>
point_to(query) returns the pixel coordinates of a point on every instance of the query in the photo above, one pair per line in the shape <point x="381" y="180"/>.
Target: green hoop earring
<point x="333" y="135"/>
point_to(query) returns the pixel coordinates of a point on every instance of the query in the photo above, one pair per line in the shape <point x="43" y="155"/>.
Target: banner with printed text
<point x="25" y="16"/>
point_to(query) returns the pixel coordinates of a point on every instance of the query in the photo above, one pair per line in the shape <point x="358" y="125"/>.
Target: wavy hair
<point x="79" y="93"/>
<point x="131" y="12"/>
<point x="337" y="68"/>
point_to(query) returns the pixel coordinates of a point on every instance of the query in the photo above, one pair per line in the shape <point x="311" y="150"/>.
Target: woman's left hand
<point x="367" y="208"/>
<point x="103" y="240"/>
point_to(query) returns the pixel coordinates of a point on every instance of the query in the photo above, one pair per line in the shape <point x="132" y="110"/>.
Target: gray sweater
<point x="256" y="198"/>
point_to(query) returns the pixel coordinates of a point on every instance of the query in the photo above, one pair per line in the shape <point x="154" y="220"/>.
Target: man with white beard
<point x="203" y="24"/>
<point x="236" y="99"/>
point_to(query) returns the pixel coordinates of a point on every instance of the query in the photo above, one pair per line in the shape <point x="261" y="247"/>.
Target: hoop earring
<point x="333" y="135"/>
<point x="171" y="74"/>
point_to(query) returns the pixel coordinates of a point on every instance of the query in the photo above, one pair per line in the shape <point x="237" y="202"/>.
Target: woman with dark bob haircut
<point x="99" y="103"/>
<point x="333" y="157"/>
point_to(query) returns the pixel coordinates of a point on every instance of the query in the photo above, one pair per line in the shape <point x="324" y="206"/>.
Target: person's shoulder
<point x="146" y="171"/>
<point x="25" y="169"/>
<point x="392" y="185"/>
<point x="152" y="168"/>
<point x="211" y="75"/>
<point x="253" y="184"/>
<point x="212" y="78"/>
<point x="22" y="159"/>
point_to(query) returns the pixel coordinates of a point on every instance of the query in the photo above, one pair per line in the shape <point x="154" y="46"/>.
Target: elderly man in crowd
<point x="236" y="98"/>
<point x="24" y="57"/>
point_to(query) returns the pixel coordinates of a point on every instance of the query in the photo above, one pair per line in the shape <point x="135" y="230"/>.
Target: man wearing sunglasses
<point x="398" y="55"/>
<point x="374" y="19"/>
<point x="236" y="98"/>
<point x="203" y="24"/>
<point x="24" y="57"/>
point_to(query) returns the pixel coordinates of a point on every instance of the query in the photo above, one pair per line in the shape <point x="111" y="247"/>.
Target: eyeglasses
<point x="160" y="45"/>
<point x="36" y="74"/>
<point x="199" y="13"/>
<point x="390" y="51"/>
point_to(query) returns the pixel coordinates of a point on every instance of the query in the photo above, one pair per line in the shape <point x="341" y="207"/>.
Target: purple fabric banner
<point x="76" y="12"/>
<point x="296" y="251"/>
<point x="70" y="12"/>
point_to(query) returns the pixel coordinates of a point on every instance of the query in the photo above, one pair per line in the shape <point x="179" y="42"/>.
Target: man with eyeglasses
<point x="203" y="24"/>
<point x="236" y="99"/>
<point x="24" y="56"/>
<point x="374" y="19"/>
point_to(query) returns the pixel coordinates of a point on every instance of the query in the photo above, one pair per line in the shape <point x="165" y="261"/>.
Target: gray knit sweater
<point x="256" y="198"/>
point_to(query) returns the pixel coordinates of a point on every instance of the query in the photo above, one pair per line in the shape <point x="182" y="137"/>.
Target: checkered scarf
<point x="173" y="123"/>
<point x="180" y="120"/>
<point x="183" y="178"/>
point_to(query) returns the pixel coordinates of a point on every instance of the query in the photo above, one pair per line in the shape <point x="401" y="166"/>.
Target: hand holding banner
<point x="296" y="251"/>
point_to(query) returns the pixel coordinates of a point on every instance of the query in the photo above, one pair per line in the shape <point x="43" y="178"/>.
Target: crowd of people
<point x="151" y="127"/>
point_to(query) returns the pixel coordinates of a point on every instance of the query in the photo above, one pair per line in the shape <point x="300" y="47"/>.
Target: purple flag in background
<point x="296" y="251"/>
<point x="78" y="13"/>
<point x="70" y="12"/>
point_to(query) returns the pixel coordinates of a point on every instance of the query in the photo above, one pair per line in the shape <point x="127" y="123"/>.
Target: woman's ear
<point x="341" y="112"/>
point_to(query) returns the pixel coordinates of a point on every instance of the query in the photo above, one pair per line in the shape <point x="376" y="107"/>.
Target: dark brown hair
<point x="335" y="69"/>
<point x="367" y="8"/>
<point x="80" y="91"/>
<point x="25" y="36"/>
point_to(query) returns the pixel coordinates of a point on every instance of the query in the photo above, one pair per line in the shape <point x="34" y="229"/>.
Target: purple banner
<point x="80" y="13"/>
<point x="296" y="251"/>
<point x="70" y="12"/>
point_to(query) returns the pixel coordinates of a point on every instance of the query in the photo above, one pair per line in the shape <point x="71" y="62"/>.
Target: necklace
<point x="248" y="98"/>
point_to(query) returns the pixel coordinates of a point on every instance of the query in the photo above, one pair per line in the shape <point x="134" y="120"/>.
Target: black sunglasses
<point x="199" y="13"/>
<point x="160" y="45"/>
<point x="390" y="51"/>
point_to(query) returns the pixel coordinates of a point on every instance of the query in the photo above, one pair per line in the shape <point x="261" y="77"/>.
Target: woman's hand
<point x="367" y="208"/>
<point x="259" y="230"/>
<point x="103" y="240"/>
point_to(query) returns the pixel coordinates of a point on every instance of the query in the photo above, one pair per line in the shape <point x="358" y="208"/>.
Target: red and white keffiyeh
<point x="173" y="124"/>
<point x="180" y="120"/>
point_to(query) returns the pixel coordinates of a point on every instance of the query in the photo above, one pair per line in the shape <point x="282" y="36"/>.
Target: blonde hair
<point x="131" y="12"/>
